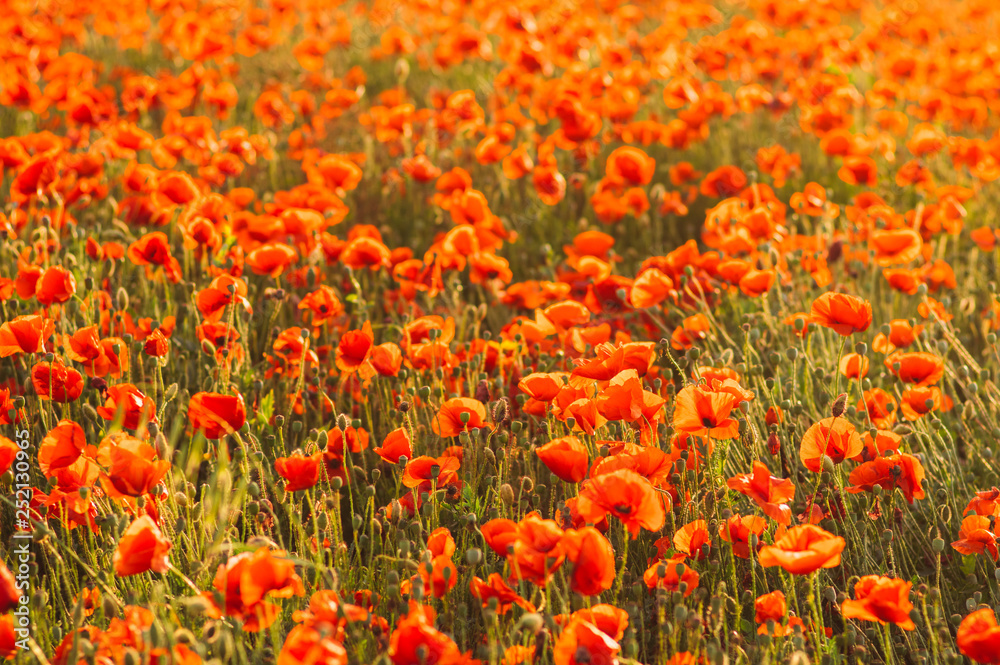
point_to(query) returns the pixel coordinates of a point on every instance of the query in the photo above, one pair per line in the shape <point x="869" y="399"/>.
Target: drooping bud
<point x="839" y="405"/>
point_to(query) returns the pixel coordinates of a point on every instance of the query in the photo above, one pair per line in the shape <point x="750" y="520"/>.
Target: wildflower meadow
<point x="463" y="332"/>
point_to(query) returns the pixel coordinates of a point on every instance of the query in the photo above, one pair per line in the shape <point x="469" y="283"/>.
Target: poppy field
<point x="434" y="332"/>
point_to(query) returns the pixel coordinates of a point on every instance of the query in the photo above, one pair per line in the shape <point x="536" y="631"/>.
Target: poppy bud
<point x="839" y="405"/>
<point x="773" y="444"/>
<point x="507" y="494"/>
<point x="483" y="392"/>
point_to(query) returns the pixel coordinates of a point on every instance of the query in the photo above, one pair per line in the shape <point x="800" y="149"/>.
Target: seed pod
<point x="507" y="494"/>
<point x="839" y="405"/>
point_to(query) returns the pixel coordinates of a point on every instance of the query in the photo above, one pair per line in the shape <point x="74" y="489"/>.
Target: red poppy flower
<point x="882" y="599"/>
<point x="141" y="548"/>
<point x="593" y="560"/>
<point x="57" y="382"/>
<point x="566" y="457"/>
<point x="768" y="492"/>
<point x="835" y="438"/>
<point x="25" y="334"/>
<point x="976" y="537"/>
<point x="133" y="405"/>
<point x="56" y="285"/>
<point x="299" y="471"/>
<point x="803" y="549"/>
<point x="626" y="495"/>
<point x="495" y="587"/>
<point x="216" y="415"/>
<point x="899" y="470"/>
<point x="457" y="415"/>
<point x="583" y="643"/>
<point x="396" y="444"/>
<point x="842" y="313"/>
<point x="978" y="637"/>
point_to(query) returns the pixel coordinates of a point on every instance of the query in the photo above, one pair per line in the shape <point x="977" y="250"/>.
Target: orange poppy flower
<point x="216" y="415"/>
<point x="737" y="530"/>
<point x="842" y="313"/>
<point x="766" y="491"/>
<point x="25" y="334"/>
<point x="612" y="620"/>
<point x="500" y="534"/>
<point x="593" y="560"/>
<point x="422" y="469"/>
<point x="626" y="495"/>
<point x="854" y="366"/>
<point x="566" y="457"/>
<point x="757" y="282"/>
<point x="984" y="503"/>
<point x="978" y="637"/>
<point x="495" y="587"/>
<point x="224" y="290"/>
<point x="153" y="249"/>
<point x="803" y="549"/>
<point x="673" y="575"/>
<point x="812" y="201"/>
<point x="549" y="184"/>
<point x="693" y="329"/>
<point x="835" y="438"/>
<point x="133" y="405"/>
<point x="650" y="288"/>
<point x="10" y="595"/>
<point x="724" y="181"/>
<point x="355" y="350"/>
<point x="985" y="238"/>
<point x="61" y="447"/>
<point x="56" y="285"/>
<point x="917" y="402"/>
<point x="246" y="579"/>
<point x="537" y="550"/>
<point x="901" y="334"/>
<point x="582" y="643"/>
<point x="882" y="599"/>
<point x="630" y="164"/>
<point x="917" y="367"/>
<point x="415" y="641"/>
<point x="459" y="414"/>
<point x="395" y="445"/>
<point x="271" y="259"/>
<point x="8" y="454"/>
<point x="141" y="548"/>
<point x="386" y="359"/>
<point x="899" y="470"/>
<point x="701" y="411"/>
<point x="131" y="469"/>
<point x="975" y="536"/>
<point x="895" y="246"/>
<point x="693" y="539"/>
<point x="57" y="382"/>
<point x="299" y="471"/>
<point x="442" y="576"/>
<point x="770" y="607"/>
<point x="881" y="407"/>
<point x="859" y="170"/>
